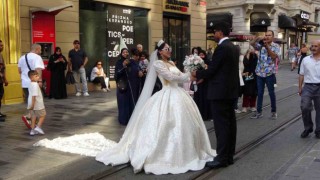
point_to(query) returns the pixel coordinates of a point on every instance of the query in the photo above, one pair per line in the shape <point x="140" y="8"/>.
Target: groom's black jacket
<point x="223" y="72"/>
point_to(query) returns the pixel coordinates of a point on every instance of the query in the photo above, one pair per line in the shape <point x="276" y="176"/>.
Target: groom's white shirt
<point x="221" y="40"/>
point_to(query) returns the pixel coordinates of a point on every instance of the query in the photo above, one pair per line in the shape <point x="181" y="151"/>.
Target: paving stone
<point x="289" y="178"/>
<point x="20" y="149"/>
<point x="317" y="146"/>
<point x="305" y="160"/>
<point x="314" y="153"/>
<point x="295" y="171"/>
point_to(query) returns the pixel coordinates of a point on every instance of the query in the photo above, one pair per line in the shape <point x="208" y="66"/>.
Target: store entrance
<point x="176" y="31"/>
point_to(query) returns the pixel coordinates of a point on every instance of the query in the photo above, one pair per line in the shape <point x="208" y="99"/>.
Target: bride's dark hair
<point x="159" y="48"/>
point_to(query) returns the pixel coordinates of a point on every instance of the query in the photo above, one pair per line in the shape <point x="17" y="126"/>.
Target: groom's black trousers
<point x="225" y="126"/>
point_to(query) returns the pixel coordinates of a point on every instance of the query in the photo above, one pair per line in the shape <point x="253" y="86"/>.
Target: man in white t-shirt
<point x="36" y="63"/>
<point x="310" y="91"/>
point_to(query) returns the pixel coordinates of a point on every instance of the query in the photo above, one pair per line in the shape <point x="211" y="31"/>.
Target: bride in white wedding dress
<point x="165" y="134"/>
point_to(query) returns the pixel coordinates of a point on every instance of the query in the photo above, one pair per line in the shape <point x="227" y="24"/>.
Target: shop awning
<point x="286" y="22"/>
<point x="241" y="37"/>
<point x="53" y="10"/>
<point x="259" y="19"/>
<point x="310" y="24"/>
<point x="213" y="19"/>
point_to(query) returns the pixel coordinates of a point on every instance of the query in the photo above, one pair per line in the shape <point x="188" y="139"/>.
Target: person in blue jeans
<point x="77" y="61"/>
<point x="268" y="52"/>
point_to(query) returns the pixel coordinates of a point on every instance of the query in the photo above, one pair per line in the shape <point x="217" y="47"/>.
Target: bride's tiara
<point x="160" y="43"/>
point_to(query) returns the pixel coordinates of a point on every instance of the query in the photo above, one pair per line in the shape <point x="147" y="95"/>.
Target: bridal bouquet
<point x="192" y="63"/>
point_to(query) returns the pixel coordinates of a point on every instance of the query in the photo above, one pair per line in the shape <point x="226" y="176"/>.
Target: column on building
<point x="10" y="36"/>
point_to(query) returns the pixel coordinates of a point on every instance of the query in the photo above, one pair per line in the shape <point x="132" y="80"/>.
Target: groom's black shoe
<point x="230" y="161"/>
<point x="216" y="164"/>
<point x="306" y="133"/>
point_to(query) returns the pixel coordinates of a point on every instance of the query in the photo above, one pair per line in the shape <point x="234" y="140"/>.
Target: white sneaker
<point x="237" y="111"/>
<point x="104" y="90"/>
<point x="253" y="109"/>
<point x="86" y="94"/>
<point x="108" y="90"/>
<point x="33" y="132"/>
<point x="39" y="130"/>
<point x="244" y="110"/>
<point x="78" y="94"/>
<point x="274" y="115"/>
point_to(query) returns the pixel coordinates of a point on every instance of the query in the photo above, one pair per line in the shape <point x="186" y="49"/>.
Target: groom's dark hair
<point x="223" y="27"/>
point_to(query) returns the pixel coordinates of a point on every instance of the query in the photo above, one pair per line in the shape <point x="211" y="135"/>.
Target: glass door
<point x="176" y="31"/>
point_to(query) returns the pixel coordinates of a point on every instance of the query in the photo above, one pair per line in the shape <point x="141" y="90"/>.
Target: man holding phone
<point x="268" y="52"/>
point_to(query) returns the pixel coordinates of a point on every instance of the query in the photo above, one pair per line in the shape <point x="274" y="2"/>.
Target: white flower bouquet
<point x="193" y="62"/>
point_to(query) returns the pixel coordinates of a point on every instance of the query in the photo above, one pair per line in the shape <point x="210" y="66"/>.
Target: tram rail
<point x="240" y="152"/>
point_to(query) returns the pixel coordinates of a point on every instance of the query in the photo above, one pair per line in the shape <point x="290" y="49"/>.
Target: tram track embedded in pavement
<point x="240" y="152"/>
<point x="264" y="107"/>
<point x="250" y="146"/>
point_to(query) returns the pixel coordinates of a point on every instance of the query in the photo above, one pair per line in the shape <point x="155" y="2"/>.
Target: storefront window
<point x="102" y="25"/>
<point x="176" y="31"/>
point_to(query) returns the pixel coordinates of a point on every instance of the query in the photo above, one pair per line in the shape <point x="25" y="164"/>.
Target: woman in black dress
<point x="57" y="66"/>
<point x="250" y="82"/>
<point x="127" y="79"/>
<point x="200" y="96"/>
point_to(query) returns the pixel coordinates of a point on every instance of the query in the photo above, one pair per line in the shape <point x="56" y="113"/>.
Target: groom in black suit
<point x="223" y="86"/>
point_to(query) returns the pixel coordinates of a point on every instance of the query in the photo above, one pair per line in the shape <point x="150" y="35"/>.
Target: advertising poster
<point x="119" y="28"/>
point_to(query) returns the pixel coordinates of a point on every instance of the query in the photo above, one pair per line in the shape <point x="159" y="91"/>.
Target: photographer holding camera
<point x="268" y="52"/>
<point x="127" y="76"/>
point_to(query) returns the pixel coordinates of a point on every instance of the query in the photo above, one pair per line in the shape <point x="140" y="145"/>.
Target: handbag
<point x="122" y="85"/>
<point x="69" y="78"/>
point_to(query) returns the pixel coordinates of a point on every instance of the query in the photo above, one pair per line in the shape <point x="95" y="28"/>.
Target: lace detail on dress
<point x="85" y="144"/>
<point x="164" y="72"/>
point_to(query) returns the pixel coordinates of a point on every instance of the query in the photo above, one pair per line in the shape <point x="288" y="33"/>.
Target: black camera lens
<point x="261" y="42"/>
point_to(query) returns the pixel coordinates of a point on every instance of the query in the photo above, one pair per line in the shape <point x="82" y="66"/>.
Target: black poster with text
<point x="119" y="28"/>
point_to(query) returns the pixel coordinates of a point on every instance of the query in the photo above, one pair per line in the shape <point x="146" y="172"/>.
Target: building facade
<point x="293" y="21"/>
<point x="98" y="24"/>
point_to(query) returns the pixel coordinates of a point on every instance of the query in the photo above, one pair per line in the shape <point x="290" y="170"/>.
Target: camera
<point x="261" y="42"/>
<point x="127" y="62"/>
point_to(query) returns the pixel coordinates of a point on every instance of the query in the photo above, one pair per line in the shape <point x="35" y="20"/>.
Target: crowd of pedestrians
<point x="227" y="75"/>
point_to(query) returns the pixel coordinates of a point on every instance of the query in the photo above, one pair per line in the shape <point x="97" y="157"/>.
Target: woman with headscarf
<point x="126" y="75"/>
<point x="57" y="66"/>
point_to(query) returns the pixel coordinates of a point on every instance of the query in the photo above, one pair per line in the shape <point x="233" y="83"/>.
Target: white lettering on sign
<point x="127" y="28"/>
<point x="114" y="34"/>
<point x="113" y="53"/>
<point x="304" y="15"/>
<point x="128" y="40"/>
<point x="126" y="11"/>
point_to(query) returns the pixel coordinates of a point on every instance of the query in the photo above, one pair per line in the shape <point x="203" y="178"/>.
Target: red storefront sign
<point x="43" y="33"/>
